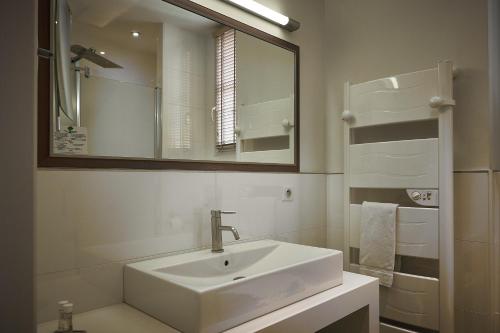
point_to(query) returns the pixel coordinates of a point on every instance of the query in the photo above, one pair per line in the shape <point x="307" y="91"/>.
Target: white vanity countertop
<point x="318" y="310"/>
<point x="119" y="318"/>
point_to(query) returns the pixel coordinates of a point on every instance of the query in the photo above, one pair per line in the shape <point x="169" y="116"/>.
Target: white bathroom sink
<point x="210" y="292"/>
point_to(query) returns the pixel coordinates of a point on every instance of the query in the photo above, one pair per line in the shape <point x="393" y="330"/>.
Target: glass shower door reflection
<point x="119" y="117"/>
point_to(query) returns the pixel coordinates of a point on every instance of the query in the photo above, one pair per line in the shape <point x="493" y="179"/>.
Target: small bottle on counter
<point x="65" y="324"/>
<point x="68" y="317"/>
<point x="61" y="323"/>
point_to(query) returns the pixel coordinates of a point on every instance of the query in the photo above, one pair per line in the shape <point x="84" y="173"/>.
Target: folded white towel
<point x="377" y="250"/>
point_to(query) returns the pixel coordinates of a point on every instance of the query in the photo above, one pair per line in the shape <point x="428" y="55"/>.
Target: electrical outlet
<point x="287" y="194"/>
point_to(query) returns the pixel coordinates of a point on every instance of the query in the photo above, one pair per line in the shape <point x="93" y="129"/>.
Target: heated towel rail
<point x="411" y="170"/>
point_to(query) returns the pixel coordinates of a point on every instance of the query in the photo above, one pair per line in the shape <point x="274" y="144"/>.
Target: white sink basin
<point x="210" y="292"/>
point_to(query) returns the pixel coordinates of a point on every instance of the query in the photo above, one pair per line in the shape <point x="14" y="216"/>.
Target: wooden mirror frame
<point x="45" y="160"/>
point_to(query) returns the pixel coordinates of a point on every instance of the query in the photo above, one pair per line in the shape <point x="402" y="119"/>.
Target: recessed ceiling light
<point x="136" y="34"/>
<point x="102" y="52"/>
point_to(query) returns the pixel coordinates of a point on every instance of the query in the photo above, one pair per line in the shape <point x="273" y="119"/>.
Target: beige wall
<point x="91" y="222"/>
<point x="495" y="252"/>
<point x="366" y="40"/>
<point x="359" y="46"/>
<point x="494" y="53"/>
<point x="310" y="39"/>
<point x="17" y="119"/>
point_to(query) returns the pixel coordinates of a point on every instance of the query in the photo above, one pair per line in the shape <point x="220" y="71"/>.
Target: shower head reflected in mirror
<point x="91" y="55"/>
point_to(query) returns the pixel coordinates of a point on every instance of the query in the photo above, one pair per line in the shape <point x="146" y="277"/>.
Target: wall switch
<point x="287" y="194"/>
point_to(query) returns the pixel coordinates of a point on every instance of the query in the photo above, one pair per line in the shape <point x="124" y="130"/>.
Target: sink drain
<point x="238" y="278"/>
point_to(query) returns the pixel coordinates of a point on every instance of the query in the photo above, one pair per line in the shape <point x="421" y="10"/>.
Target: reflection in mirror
<point x="149" y="80"/>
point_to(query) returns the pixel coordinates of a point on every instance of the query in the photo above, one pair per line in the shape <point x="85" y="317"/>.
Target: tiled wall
<point x="473" y="292"/>
<point x="477" y="252"/>
<point x="186" y="91"/>
<point x="462" y="38"/>
<point x="495" y="252"/>
<point x="90" y="223"/>
<point x="335" y="211"/>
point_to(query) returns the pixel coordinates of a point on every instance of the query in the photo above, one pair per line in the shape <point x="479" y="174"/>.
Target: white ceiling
<point x="103" y="13"/>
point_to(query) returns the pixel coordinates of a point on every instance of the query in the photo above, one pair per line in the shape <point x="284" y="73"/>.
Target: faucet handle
<point x="218" y="212"/>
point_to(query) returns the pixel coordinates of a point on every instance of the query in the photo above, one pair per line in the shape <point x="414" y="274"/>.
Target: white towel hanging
<point x="378" y="241"/>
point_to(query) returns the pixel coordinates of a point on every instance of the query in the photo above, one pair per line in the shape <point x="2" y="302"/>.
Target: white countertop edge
<point x="315" y="312"/>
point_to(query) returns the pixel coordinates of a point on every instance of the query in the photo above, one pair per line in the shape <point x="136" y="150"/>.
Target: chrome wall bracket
<point x="44" y="53"/>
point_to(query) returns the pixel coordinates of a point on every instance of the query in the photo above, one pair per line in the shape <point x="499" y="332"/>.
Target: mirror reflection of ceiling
<point x="184" y="88"/>
<point x="107" y="26"/>
<point x="103" y="13"/>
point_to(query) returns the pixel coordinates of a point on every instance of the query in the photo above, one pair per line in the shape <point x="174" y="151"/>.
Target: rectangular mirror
<point x="158" y="84"/>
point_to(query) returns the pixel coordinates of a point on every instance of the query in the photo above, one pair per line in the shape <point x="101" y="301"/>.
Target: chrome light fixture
<point x="266" y="13"/>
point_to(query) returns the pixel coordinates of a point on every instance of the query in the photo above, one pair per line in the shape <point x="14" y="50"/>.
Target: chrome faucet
<point x="217" y="229"/>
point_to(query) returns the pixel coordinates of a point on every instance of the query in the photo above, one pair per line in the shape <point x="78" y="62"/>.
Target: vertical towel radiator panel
<point x="408" y="164"/>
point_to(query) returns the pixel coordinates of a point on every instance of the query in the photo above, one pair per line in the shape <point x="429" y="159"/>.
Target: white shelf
<point x="308" y="315"/>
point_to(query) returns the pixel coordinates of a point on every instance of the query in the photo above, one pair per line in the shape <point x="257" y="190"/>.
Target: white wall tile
<point x="311" y="197"/>
<point x="261" y="212"/>
<point x="254" y="198"/>
<point x="469" y="322"/>
<point x="311" y="236"/>
<point x="458" y="261"/>
<point x="90" y="218"/>
<point x="335" y="202"/>
<point x="335" y="238"/>
<point x="90" y="222"/>
<point x="472" y="277"/>
<point x="496" y="208"/>
<point x="335" y="211"/>
<point x="476" y="296"/>
<point x="472" y="206"/>
<point x="56" y="235"/>
<point x="87" y="288"/>
<point x="496" y="279"/>
<point x="185" y="49"/>
<point x="496" y="251"/>
<point x="114" y="209"/>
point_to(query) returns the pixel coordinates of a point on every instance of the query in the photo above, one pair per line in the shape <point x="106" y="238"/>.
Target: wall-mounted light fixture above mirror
<point x="158" y="84"/>
<point x="266" y="13"/>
